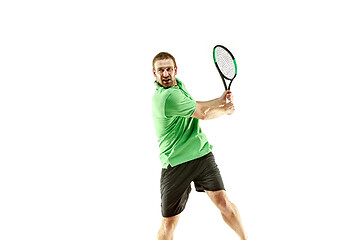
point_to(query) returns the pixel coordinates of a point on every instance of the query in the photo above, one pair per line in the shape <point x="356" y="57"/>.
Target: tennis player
<point x="185" y="152"/>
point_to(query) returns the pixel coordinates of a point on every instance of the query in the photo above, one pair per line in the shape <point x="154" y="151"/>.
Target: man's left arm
<point x="214" y="108"/>
<point x="217" y="102"/>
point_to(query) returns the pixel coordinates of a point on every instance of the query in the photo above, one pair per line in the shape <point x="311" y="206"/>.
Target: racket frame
<point x="223" y="77"/>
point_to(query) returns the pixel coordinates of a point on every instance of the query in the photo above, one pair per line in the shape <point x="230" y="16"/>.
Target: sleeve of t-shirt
<point x="177" y="104"/>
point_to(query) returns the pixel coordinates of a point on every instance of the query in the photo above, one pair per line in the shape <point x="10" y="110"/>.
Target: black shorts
<point x="175" y="183"/>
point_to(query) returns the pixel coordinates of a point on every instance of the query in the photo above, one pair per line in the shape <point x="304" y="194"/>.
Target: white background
<point x="79" y="156"/>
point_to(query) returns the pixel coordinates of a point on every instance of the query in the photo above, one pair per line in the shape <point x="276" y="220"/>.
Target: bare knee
<point x="168" y="225"/>
<point x="223" y="203"/>
<point x="227" y="208"/>
<point x="220" y="199"/>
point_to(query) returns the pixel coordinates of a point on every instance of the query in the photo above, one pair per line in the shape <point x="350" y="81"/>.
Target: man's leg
<point x="228" y="211"/>
<point x="167" y="228"/>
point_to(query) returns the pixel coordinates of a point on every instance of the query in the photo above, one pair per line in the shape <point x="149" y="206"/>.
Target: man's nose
<point x="166" y="73"/>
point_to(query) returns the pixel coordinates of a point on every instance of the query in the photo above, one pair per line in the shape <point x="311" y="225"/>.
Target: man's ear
<point x="175" y="70"/>
<point x="154" y="72"/>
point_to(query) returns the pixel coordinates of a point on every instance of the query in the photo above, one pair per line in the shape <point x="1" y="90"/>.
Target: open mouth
<point x="166" y="80"/>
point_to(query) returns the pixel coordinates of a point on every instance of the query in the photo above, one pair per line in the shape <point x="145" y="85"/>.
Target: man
<point x="185" y="152"/>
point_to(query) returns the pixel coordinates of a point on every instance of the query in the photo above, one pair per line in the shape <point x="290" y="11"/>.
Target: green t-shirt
<point x="179" y="135"/>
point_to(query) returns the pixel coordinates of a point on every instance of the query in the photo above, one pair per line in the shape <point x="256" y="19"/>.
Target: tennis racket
<point x="225" y="64"/>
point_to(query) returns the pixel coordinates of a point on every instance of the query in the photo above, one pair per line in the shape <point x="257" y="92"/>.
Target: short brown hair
<point x="163" y="56"/>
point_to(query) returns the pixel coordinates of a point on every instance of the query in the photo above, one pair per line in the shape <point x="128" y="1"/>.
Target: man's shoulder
<point x="164" y="93"/>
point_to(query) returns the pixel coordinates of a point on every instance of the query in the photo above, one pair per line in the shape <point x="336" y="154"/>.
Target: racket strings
<point x="225" y="62"/>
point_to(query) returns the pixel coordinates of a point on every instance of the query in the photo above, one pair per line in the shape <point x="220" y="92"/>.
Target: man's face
<point x="165" y="72"/>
